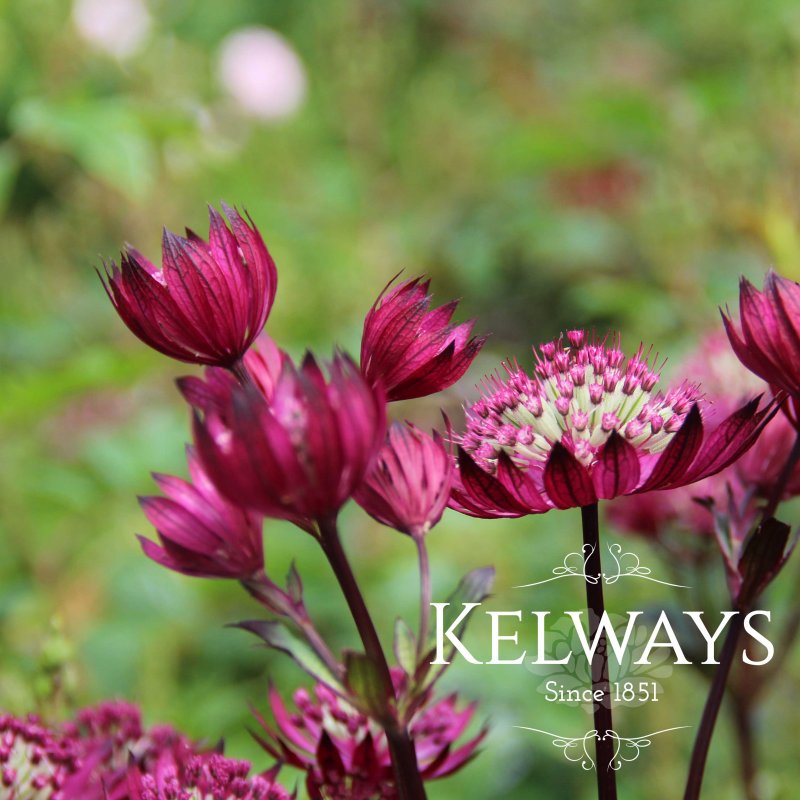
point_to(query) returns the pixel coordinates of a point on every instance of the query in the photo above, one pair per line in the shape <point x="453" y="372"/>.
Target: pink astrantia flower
<point x="588" y="426"/>
<point x="344" y="754"/>
<point x="204" y="777"/>
<point x="109" y="739"/>
<point x="202" y="533"/>
<point x="409" y="485"/>
<point x="769" y="341"/>
<point x="263" y="364"/>
<point x="411" y="350"/>
<point x="210" y="299"/>
<point x="301" y="455"/>
<point x="726" y="505"/>
<point x="35" y="762"/>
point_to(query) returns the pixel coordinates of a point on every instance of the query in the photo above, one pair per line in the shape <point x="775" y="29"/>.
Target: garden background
<point x="607" y="165"/>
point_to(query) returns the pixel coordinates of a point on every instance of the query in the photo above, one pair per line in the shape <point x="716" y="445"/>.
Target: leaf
<point x="405" y="646"/>
<point x="277" y="636"/>
<point x="364" y="681"/>
<point x="474" y="587"/>
<point x="762" y="560"/>
<point x="294" y="585"/>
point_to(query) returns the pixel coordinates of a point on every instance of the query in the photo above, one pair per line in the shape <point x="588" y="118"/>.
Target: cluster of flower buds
<point x="35" y="762"/>
<point x="105" y="753"/>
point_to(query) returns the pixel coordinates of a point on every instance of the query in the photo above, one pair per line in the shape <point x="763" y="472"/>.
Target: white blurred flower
<point x="117" y="27"/>
<point x="263" y="74"/>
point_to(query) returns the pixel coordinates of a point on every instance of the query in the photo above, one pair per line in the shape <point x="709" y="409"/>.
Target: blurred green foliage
<point x="613" y="164"/>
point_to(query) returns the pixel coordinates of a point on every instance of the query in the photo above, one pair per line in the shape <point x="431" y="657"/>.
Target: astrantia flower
<point x="301" y="455"/>
<point x="208" y="302"/>
<point x="769" y="341"/>
<point x="588" y="425"/>
<point x="201" y="532"/>
<point x="35" y="762"/>
<point x="411" y="350"/>
<point x="205" y="777"/>
<point x="409" y="485"/>
<point x="263" y="363"/>
<point x="109" y="739"/>
<point x="344" y="754"/>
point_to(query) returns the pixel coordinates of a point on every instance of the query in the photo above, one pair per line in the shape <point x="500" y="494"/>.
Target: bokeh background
<point x="611" y="165"/>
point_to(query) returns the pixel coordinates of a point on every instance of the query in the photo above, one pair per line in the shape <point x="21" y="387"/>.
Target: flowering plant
<point x="278" y="440"/>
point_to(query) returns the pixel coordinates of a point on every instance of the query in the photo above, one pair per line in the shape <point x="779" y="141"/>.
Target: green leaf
<point x="405" y="647"/>
<point x="294" y="585"/>
<point x="277" y="636"/>
<point x="363" y="679"/>
<point x="474" y="587"/>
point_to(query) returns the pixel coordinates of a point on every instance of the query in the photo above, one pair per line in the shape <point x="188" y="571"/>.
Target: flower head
<point x="35" y="762"/>
<point x="204" y="777"/>
<point x="111" y="740"/>
<point x="769" y="341"/>
<point x="210" y="299"/>
<point x="202" y="533"/>
<point x="588" y="425"/>
<point x="301" y="455"/>
<point x="409" y="485"/>
<point x="345" y="755"/>
<point x="411" y="349"/>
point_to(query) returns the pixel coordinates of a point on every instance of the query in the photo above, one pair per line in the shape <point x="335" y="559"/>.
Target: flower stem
<point x="783" y="480"/>
<point x="743" y="725"/>
<point x="424" y="594"/>
<point x="401" y="747"/>
<point x="604" y="743"/>
<point x="711" y="709"/>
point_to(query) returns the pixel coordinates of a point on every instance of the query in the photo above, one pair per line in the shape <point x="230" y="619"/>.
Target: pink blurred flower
<point x="301" y="455"/>
<point x="769" y="341"/>
<point x="109" y="739"/>
<point x="729" y="504"/>
<point x="412" y="350"/>
<point x="201" y="532"/>
<point x="262" y="73"/>
<point x="35" y="762"/>
<point x="205" y="777"/>
<point x="344" y="754"/>
<point x="409" y="485"/>
<point x="117" y="27"/>
<point x="587" y="426"/>
<point x="208" y="302"/>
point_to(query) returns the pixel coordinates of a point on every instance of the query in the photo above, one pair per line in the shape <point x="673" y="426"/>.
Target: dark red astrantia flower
<point x="210" y="299"/>
<point x="301" y="455"/>
<point x="769" y="341"/>
<point x="201" y="532"/>
<point x="344" y="754"/>
<point x="411" y="349"/>
<point x="587" y="426"/>
<point x="409" y="485"/>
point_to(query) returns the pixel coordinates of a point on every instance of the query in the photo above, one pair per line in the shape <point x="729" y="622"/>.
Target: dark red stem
<point x="604" y="744"/>
<point x="401" y="747"/>
<point x="711" y="709"/>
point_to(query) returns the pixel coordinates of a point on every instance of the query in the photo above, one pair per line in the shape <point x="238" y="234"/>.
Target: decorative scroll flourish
<point x="577" y="749"/>
<point x="626" y="565"/>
